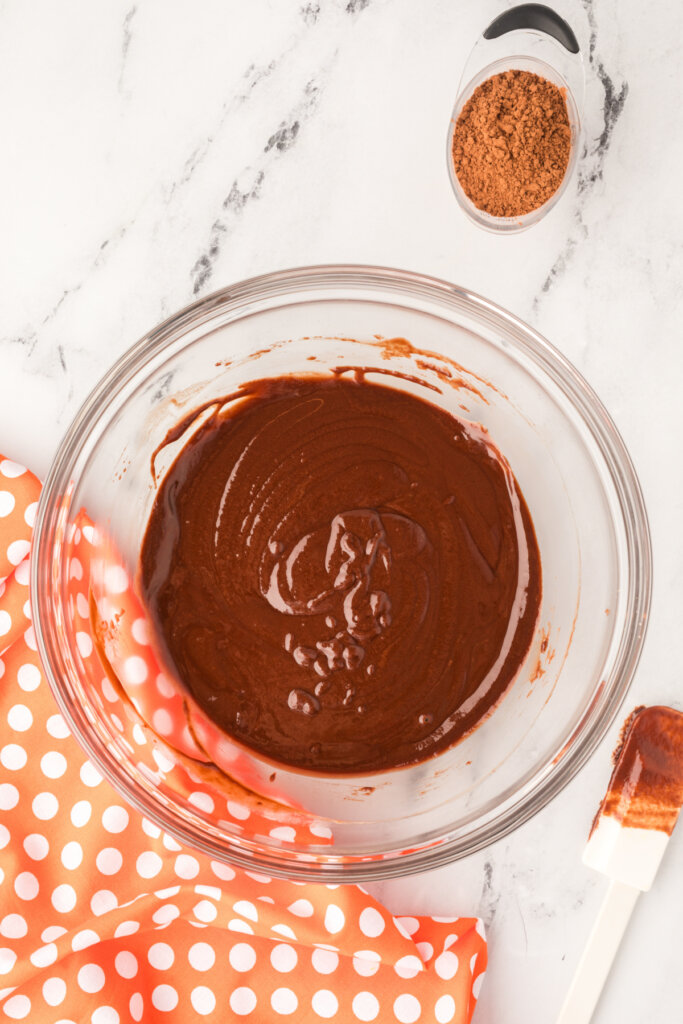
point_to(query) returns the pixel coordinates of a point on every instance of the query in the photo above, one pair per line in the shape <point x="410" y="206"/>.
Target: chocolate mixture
<point x="344" y="576"/>
<point x="646" y="788"/>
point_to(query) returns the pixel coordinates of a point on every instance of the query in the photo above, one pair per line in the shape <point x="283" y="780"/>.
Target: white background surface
<point x="154" y="152"/>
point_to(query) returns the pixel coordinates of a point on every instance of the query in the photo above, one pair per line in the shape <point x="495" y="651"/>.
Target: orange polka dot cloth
<point x="105" y="919"/>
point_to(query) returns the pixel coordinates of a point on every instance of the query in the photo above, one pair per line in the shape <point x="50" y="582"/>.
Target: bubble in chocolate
<point x="425" y="719"/>
<point x="303" y="702"/>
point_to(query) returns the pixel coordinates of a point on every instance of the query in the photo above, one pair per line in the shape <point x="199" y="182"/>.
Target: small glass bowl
<point x="512" y="225"/>
<point x="480" y="363"/>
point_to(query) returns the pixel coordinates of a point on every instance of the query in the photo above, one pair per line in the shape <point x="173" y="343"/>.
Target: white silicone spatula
<point x="628" y="840"/>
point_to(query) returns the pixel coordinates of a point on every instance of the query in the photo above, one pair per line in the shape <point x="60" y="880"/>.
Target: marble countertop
<point x="153" y="152"/>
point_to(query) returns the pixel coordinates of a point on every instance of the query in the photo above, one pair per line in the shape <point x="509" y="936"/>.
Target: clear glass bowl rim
<point x="552" y="777"/>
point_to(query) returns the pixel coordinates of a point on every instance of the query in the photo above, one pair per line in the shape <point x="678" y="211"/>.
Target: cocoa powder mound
<point x="511" y="143"/>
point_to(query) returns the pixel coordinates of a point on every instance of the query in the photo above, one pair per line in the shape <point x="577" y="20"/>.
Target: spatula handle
<point x="601" y="948"/>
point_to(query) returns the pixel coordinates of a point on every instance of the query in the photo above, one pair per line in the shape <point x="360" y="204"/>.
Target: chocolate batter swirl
<point x="344" y="577"/>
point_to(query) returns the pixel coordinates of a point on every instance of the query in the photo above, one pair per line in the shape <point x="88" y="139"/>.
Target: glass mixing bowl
<point x="482" y="364"/>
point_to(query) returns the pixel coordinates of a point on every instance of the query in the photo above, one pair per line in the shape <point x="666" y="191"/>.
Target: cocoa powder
<point x="511" y="143"/>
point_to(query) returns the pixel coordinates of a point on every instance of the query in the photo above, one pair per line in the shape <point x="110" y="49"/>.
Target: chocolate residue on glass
<point x="343" y="576"/>
<point x="646" y="788"/>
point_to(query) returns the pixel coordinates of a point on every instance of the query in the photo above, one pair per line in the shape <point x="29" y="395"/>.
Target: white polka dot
<point x="238" y="811"/>
<point x="283" y="929"/>
<point x="408" y="966"/>
<point x="242" y="957"/>
<point x="334" y="919"/>
<point x="45" y="956"/>
<point x="246" y="909"/>
<point x="19" y="718"/>
<point x="13" y="926"/>
<point x="242" y="1001"/>
<point x="165" y="686"/>
<point x="444" y="1010"/>
<point x="203" y="1000"/>
<point x="167" y="893"/>
<point x="108" y="691"/>
<point x="365" y="1006"/>
<point x="150" y="829"/>
<point x="212" y="891"/>
<point x="164" y="998"/>
<point x="426" y="951"/>
<point x="54" y="991"/>
<point x="8" y="958"/>
<point x="284" y="1001"/>
<point x="477" y="983"/>
<point x="72" y="855"/>
<point x="126" y="964"/>
<point x="17" y="551"/>
<point x="135" y="670"/>
<point x="26" y="609"/>
<point x="83" y="939"/>
<point x="17" y="1007"/>
<point x="115" y="819"/>
<point x="109" y="861"/>
<point x="140" y="631"/>
<point x="283" y="957"/>
<point x="161" y="956"/>
<point x="90" y="775"/>
<point x="53" y="764"/>
<point x="84" y="644"/>
<point x="366" y="962"/>
<point x="446" y="965"/>
<point x="201" y="956"/>
<point x="186" y="866"/>
<point x="116" y="579"/>
<point x="63" y="898"/>
<point x="26" y="886"/>
<point x="148" y="864"/>
<point x="11" y="469"/>
<point x="91" y="978"/>
<point x="407" y="925"/>
<point x="103" y="902"/>
<point x="325" y="1003"/>
<point x="238" y="925"/>
<point x="202" y="801"/>
<point x="126" y="928"/>
<point x="28" y="677"/>
<point x="5" y="622"/>
<point x="80" y="813"/>
<point x="165" y="914"/>
<point x="222" y="871"/>
<point x="45" y="806"/>
<point x="13" y="757"/>
<point x="324" y="961"/>
<point x="9" y="796"/>
<point x="105" y="1015"/>
<point x="54" y="932"/>
<point x="136" y="1006"/>
<point x="301" y="908"/>
<point x="4" y="836"/>
<point x="371" y="922"/>
<point x="30" y="639"/>
<point x="285" y="833"/>
<point x="82" y="606"/>
<point x="57" y="727"/>
<point x="162" y="722"/>
<point x="7" y="503"/>
<point x="22" y="574"/>
<point x="407" y="1008"/>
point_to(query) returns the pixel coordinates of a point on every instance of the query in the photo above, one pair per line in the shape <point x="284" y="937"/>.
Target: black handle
<point x="534" y="16"/>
